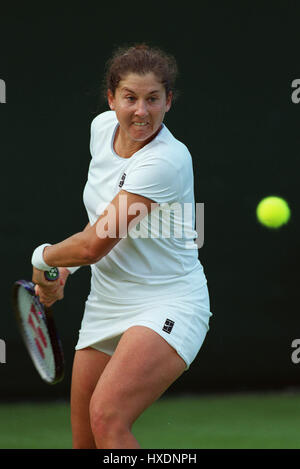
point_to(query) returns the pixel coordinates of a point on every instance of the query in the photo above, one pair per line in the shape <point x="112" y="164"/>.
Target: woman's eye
<point x="132" y="99"/>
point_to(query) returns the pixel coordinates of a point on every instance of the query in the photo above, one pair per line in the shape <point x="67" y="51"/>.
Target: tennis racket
<point x="38" y="330"/>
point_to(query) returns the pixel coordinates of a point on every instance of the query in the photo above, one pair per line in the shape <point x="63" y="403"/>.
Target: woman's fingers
<point x="50" y="292"/>
<point x="48" y="298"/>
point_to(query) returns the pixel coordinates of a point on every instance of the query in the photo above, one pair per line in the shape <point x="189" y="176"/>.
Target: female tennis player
<point x="148" y="310"/>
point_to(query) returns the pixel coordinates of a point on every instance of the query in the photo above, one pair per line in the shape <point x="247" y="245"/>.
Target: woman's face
<point x="140" y="104"/>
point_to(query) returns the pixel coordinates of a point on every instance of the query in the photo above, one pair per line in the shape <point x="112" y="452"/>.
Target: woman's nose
<point x="141" y="109"/>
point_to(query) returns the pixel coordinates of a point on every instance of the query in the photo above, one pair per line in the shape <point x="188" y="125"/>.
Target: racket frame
<point x="46" y="315"/>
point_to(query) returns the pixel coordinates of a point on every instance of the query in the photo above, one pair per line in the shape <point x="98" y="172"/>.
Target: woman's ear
<point x="169" y="101"/>
<point x="111" y="100"/>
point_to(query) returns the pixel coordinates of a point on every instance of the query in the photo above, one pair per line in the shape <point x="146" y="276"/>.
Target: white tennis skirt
<point x="182" y="321"/>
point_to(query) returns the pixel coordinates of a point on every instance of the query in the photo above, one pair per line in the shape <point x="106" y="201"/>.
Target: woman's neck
<point x="126" y="147"/>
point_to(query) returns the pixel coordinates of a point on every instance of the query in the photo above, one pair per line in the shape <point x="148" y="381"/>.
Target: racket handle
<point x="52" y="274"/>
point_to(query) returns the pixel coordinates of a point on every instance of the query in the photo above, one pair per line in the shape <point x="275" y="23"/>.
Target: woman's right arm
<point x="47" y="296"/>
<point x="87" y="226"/>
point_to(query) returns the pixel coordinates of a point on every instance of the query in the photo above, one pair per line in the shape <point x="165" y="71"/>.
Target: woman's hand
<point x="49" y="292"/>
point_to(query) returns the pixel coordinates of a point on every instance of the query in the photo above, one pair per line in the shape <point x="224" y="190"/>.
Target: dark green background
<point x="237" y="62"/>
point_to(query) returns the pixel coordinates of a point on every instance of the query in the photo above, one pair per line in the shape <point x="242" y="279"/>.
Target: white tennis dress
<point x="152" y="277"/>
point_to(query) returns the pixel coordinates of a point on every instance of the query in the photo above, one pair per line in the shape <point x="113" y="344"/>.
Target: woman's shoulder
<point x="103" y="120"/>
<point x="166" y="147"/>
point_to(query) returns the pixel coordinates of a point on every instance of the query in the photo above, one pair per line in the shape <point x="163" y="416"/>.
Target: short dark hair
<point x="140" y="59"/>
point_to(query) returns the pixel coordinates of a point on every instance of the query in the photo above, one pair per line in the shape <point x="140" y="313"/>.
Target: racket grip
<point x="52" y="274"/>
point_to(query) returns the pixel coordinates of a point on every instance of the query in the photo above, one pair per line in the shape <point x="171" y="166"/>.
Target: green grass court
<point x="269" y="421"/>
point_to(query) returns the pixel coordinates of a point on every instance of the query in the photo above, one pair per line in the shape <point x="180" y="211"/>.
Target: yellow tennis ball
<point x="273" y="212"/>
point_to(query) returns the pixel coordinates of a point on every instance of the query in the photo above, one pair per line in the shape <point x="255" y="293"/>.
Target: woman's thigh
<point x="141" y="369"/>
<point x="87" y="368"/>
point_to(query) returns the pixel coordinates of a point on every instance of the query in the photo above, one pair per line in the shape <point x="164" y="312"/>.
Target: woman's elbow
<point x="97" y="250"/>
<point x="94" y="252"/>
<point x="91" y="256"/>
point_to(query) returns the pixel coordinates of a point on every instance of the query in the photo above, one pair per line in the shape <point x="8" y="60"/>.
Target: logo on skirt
<point x="168" y="326"/>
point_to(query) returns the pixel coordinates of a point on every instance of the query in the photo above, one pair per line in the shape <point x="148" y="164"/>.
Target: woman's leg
<point x="142" y="367"/>
<point x="87" y="368"/>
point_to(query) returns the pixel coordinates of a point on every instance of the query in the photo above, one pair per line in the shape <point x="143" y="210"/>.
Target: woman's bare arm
<point x="94" y="242"/>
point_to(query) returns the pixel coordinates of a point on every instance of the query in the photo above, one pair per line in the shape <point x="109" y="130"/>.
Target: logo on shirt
<point x="122" y="180"/>
<point x="168" y="326"/>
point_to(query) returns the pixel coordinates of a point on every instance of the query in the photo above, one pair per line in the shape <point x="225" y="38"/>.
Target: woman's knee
<point x="106" y="421"/>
